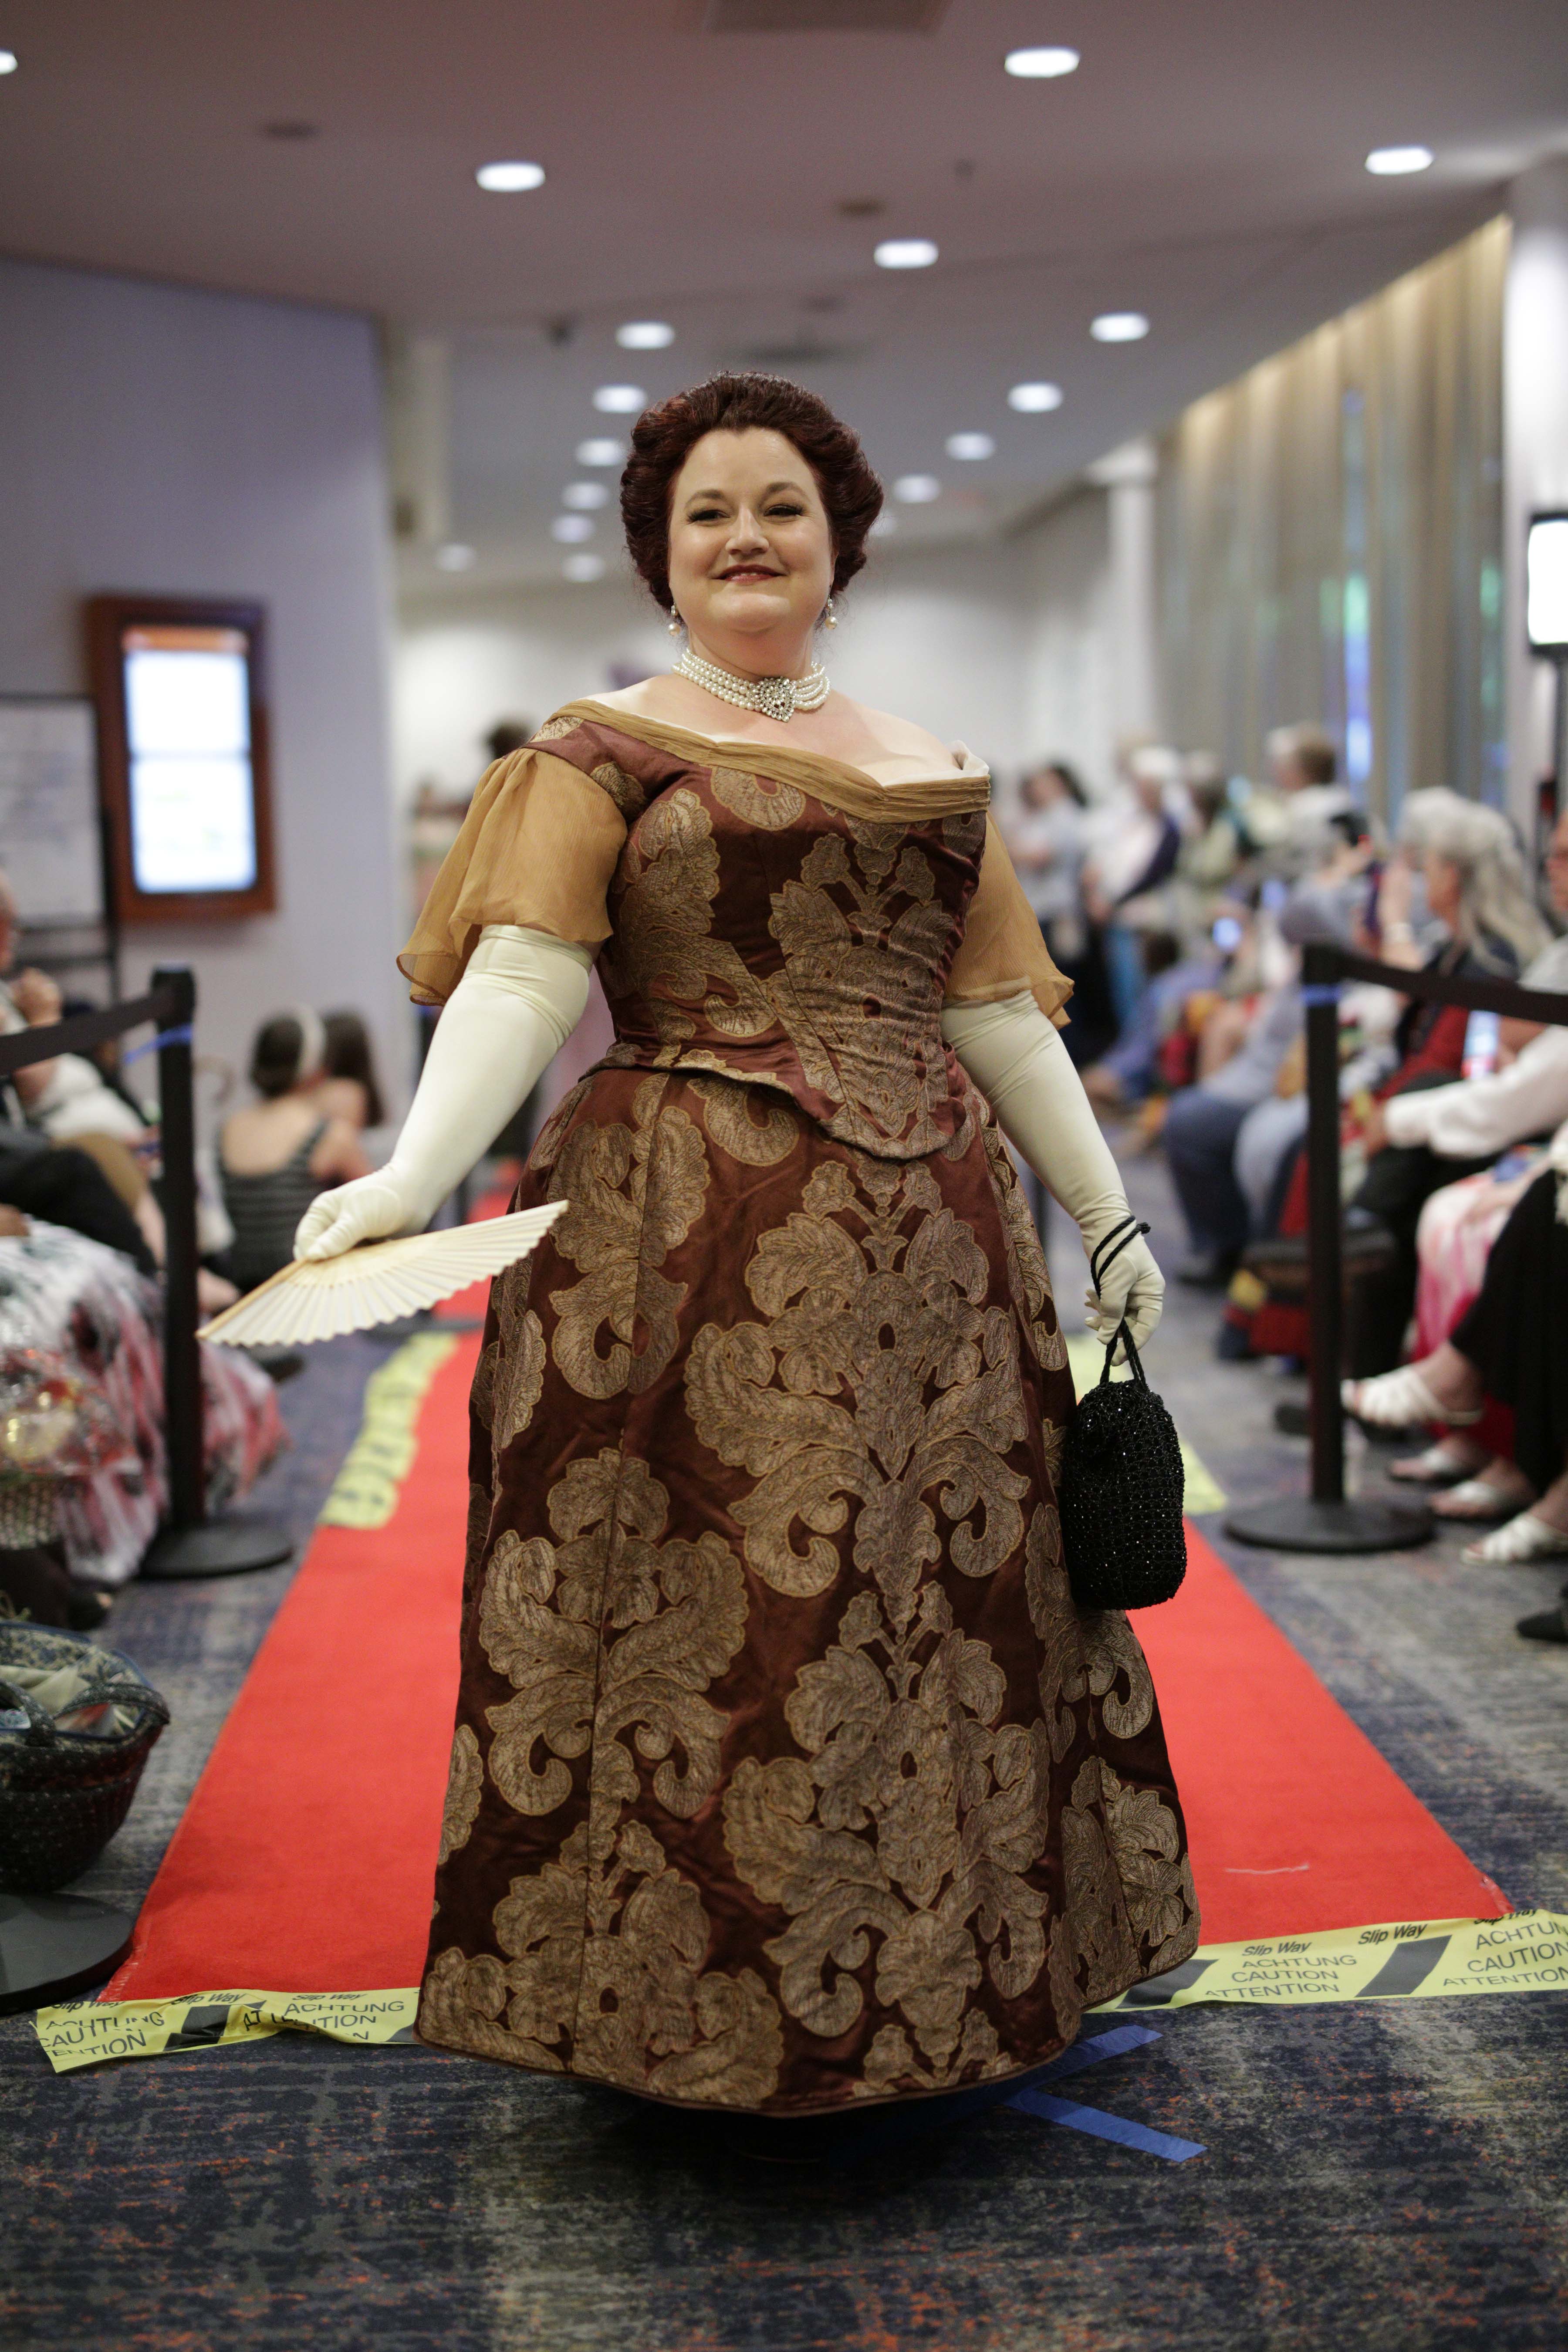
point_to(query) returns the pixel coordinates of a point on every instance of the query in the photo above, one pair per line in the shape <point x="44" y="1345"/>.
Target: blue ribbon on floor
<point x="1035" y="2102"/>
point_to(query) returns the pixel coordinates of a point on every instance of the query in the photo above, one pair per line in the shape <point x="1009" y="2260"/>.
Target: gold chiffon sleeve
<point x="1002" y="953"/>
<point x="538" y="848"/>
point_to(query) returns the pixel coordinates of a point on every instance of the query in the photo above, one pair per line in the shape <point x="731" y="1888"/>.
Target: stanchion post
<point x="190" y="1546"/>
<point x="1325" y="1520"/>
<point x="1325" y="1296"/>
<point x="182" y="1351"/>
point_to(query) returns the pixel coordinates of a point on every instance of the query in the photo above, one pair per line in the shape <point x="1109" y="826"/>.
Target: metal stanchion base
<point x="219" y="1548"/>
<point x="1360" y="1523"/>
<point x="55" y="1946"/>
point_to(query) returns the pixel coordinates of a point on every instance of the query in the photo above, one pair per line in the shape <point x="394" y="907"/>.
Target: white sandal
<point x="1451" y="1459"/>
<point x="1484" y="1498"/>
<point x="1523" y="1540"/>
<point x="1400" y="1400"/>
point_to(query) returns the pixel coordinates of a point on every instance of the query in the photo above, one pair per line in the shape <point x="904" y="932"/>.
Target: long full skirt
<point x="785" y="1773"/>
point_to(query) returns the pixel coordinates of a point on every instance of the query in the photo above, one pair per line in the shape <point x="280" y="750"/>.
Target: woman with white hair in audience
<point x="1480" y="1117"/>
<point x="1475" y="887"/>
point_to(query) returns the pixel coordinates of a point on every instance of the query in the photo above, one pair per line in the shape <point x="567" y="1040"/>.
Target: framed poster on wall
<point x="180" y="684"/>
<point x="51" y="831"/>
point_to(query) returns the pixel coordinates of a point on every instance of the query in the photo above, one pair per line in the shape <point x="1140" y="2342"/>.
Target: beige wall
<point x="1007" y="647"/>
<point x="197" y="444"/>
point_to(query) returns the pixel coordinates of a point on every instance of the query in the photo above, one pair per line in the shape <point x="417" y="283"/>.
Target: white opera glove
<point x="1020" y="1062"/>
<point x="517" y="1004"/>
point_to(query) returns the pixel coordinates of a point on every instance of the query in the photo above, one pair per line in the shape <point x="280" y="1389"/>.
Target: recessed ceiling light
<point x="583" y="567"/>
<point x="510" y="179"/>
<point x="8" y="61"/>
<point x="1119" y="326"/>
<point x="645" y="335"/>
<point x="1390" y="162"/>
<point x="1040" y="65"/>
<point x="569" y="529"/>
<point x="905" y="253"/>
<point x="1033" y="399"/>
<point x="600" y="453"/>
<point x="971" y="445"/>
<point x="455" y="557"/>
<point x="620" y="399"/>
<point x="885" y="527"/>
<point x="917" y="489"/>
<point x="588" y="496"/>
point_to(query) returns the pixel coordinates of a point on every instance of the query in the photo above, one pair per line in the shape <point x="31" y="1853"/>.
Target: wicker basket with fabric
<point x="63" y="1791"/>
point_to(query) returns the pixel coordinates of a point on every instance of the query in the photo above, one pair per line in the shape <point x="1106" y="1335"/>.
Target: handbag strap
<point x="1126" y="1231"/>
<point x="1124" y="1334"/>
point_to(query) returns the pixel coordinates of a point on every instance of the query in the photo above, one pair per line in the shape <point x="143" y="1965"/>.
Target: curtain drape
<point x="1330" y="541"/>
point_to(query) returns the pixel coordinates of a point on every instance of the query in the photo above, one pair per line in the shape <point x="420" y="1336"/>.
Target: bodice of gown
<point x="765" y="933"/>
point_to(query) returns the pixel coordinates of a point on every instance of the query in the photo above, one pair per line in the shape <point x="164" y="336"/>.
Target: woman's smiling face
<point x="751" y="549"/>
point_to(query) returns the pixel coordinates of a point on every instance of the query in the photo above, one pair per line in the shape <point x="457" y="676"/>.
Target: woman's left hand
<point x="1132" y="1288"/>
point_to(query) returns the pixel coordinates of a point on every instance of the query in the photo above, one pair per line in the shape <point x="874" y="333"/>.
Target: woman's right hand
<point x="368" y="1210"/>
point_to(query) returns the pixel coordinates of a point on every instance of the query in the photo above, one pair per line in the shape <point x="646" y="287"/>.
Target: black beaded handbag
<point x="1122" y="1482"/>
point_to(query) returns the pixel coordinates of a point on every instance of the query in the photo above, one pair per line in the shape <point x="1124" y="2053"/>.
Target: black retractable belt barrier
<point x="1328" y="1520"/>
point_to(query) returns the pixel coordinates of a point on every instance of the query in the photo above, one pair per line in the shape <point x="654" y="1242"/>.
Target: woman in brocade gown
<point x="786" y="1776"/>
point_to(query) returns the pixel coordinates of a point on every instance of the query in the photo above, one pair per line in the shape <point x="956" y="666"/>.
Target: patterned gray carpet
<point x="1375" y="2177"/>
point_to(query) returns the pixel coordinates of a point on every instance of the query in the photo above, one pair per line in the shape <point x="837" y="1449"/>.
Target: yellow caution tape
<point x="1416" y="1960"/>
<point x="90" y="2033"/>
<point x="365" y="1490"/>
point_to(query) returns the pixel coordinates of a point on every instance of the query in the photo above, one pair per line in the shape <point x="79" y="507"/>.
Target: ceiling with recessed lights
<point x="726" y="169"/>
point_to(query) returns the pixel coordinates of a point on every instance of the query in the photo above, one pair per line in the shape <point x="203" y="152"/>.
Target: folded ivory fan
<point x="321" y="1298"/>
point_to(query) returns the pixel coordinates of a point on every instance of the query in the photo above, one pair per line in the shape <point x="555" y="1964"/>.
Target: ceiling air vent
<point x="824" y="15"/>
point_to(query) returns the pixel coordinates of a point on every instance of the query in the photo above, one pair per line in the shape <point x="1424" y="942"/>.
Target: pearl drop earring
<point x="674" y="625"/>
<point x="829" y="617"/>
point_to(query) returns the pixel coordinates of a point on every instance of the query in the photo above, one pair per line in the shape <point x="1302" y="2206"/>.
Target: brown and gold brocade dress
<point x="786" y="1776"/>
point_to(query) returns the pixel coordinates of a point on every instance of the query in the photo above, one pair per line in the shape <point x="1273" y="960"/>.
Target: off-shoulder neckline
<point x="833" y="780"/>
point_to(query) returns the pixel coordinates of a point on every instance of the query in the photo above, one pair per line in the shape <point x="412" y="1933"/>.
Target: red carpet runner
<point x="305" y="1860"/>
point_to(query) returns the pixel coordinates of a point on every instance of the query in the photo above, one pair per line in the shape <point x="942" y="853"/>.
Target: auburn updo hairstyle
<point x="664" y="436"/>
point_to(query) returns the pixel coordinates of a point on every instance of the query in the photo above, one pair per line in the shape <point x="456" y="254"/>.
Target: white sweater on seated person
<point x="1478" y="1116"/>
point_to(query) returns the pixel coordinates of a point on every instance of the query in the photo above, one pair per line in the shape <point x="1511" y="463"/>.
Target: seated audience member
<point x="1510" y="1346"/>
<point x="66" y="1098"/>
<point x="1244" y="1054"/>
<point x="1475" y="886"/>
<point x="348" y="1088"/>
<point x="65" y="1187"/>
<point x="1527" y="1094"/>
<point x="1453" y="1240"/>
<point x="275" y="1156"/>
<point x="1124" y="880"/>
<point x="1288" y="820"/>
<point x="1047" y="837"/>
<point x="1045" y="841"/>
<point x="1208" y="859"/>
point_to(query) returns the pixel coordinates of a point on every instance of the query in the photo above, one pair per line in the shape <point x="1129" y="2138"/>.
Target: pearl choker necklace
<point x="775" y="698"/>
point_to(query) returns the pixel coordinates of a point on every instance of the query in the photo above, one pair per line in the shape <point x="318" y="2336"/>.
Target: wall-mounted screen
<point x="187" y="722"/>
<point x="183" y="724"/>
<point x="1546" y="585"/>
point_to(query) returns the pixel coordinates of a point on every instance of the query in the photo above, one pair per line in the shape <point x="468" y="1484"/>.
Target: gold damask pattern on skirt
<point x="785" y="1775"/>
